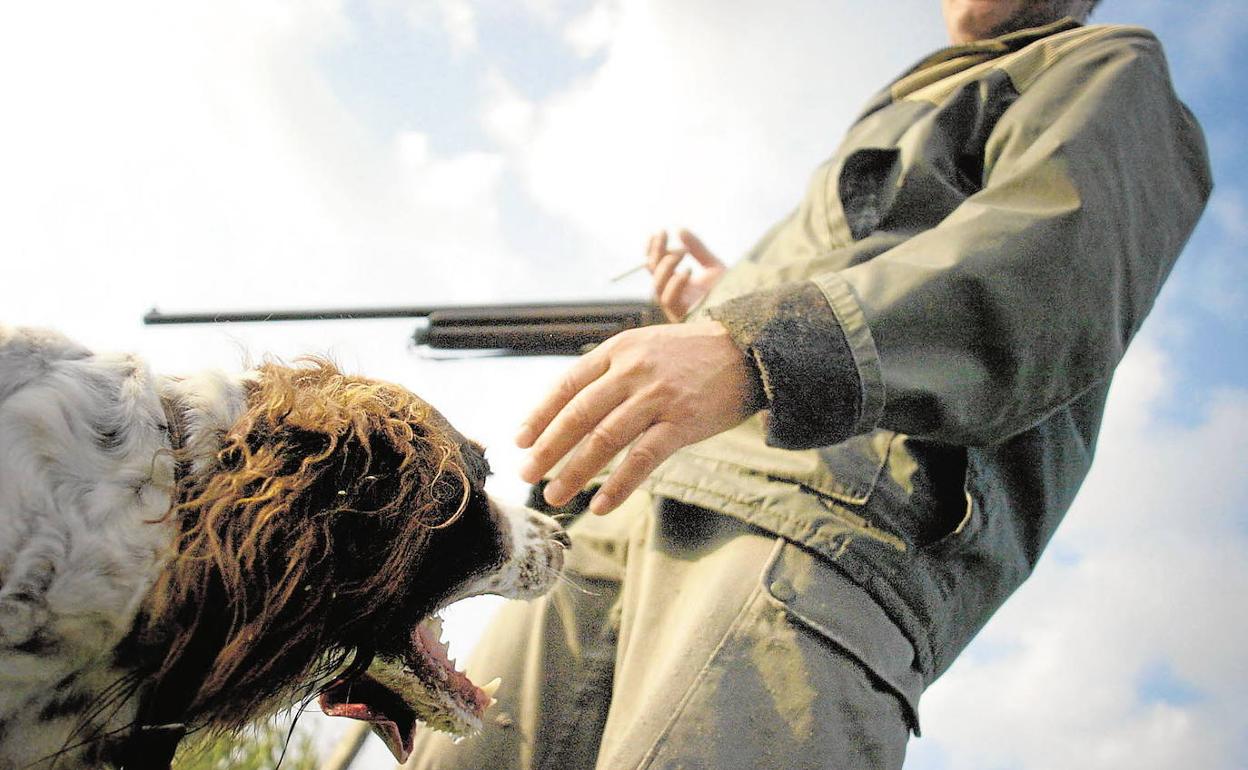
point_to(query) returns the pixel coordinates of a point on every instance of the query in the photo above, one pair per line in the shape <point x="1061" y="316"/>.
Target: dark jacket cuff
<point x="809" y="377"/>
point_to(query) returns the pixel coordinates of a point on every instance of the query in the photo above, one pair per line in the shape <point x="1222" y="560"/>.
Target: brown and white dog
<point x="181" y="554"/>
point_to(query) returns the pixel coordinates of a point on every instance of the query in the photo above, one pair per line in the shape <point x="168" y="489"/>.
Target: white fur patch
<point x="85" y="475"/>
<point x="535" y="558"/>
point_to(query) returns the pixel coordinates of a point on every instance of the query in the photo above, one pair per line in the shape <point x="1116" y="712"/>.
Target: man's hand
<point x="679" y="290"/>
<point x="664" y="386"/>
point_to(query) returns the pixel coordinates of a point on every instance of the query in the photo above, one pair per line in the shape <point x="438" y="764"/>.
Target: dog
<point x="187" y="554"/>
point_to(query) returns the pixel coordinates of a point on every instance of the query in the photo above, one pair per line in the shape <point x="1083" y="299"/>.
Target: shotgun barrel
<point x="543" y="328"/>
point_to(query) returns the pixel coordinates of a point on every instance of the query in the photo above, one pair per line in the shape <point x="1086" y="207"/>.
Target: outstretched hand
<point x="658" y="388"/>
<point x="678" y="290"/>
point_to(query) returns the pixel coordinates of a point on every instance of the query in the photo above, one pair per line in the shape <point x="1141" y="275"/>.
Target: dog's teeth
<point x="492" y="687"/>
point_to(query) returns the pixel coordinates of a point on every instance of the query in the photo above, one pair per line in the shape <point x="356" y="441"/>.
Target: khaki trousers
<point x="671" y="647"/>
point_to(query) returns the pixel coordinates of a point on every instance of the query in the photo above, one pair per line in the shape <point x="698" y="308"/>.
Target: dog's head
<point x="338" y="514"/>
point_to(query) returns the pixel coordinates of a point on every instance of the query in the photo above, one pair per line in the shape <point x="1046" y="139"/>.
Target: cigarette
<point x="628" y="272"/>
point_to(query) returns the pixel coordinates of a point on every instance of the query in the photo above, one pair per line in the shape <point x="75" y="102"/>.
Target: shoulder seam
<point x="1023" y="68"/>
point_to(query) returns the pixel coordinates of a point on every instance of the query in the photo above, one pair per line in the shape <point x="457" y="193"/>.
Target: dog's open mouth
<point x="423" y="685"/>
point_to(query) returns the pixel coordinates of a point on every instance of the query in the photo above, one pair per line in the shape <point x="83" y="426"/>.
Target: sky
<point x="250" y="154"/>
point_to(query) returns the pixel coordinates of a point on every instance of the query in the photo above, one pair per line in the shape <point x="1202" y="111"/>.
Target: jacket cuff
<point x="815" y="357"/>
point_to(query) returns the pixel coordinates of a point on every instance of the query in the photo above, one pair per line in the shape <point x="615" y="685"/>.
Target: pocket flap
<point x="846" y="472"/>
<point x="818" y="596"/>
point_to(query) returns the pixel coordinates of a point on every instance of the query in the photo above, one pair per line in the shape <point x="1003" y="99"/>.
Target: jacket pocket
<point x="866" y="187"/>
<point x="921" y="496"/>
<point x="817" y="596"/>
<point x="958" y="515"/>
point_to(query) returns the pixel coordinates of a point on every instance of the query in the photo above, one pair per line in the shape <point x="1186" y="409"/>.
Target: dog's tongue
<point x="368" y="700"/>
<point x="426" y="687"/>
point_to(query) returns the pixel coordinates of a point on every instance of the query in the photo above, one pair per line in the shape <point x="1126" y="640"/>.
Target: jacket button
<point x="783" y="590"/>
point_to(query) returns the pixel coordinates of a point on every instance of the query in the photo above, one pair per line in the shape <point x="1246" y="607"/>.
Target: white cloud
<point x="1231" y="213"/>
<point x="710" y="114"/>
<point x="546" y="11"/>
<point x="158" y="153"/>
<point x="508" y="117"/>
<point x="459" y="21"/>
<point x="455" y="19"/>
<point x="458" y="186"/>
<point x="593" y="30"/>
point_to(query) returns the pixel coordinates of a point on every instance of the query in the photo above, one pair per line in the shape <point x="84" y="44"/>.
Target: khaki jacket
<point x="936" y="325"/>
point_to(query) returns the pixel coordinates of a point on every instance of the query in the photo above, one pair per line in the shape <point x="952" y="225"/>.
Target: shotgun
<point x="543" y="328"/>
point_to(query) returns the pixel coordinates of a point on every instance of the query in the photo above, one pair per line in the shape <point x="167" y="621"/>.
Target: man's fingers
<point x="603" y="442"/>
<point x="698" y="249"/>
<point x="655" y="445"/>
<point x="587" y="368"/>
<point x="578" y="419"/>
<point x="656" y="249"/>
<point x="663" y="272"/>
<point x="670" y="299"/>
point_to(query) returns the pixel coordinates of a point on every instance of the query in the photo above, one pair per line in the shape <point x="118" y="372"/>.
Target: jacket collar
<point x="953" y="59"/>
<point x="982" y="50"/>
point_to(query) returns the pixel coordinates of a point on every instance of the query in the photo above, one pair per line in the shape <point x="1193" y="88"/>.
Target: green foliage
<point x="257" y="748"/>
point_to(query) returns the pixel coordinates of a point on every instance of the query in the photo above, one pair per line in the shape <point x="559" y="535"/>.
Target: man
<point x="859" y="440"/>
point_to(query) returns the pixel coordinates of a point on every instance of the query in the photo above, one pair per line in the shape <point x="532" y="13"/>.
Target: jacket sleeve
<point x="1022" y="298"/>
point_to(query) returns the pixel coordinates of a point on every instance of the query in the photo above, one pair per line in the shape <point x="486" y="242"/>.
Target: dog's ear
<point x="324" y="494"/>
<point x="391" y="478"/>
<point x="322" y="461"/>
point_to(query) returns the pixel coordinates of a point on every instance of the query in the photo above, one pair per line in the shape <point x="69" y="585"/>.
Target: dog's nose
<point x="548" y="528"/>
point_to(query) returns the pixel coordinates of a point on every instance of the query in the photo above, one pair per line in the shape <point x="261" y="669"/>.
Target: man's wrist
<point x="805" y="370"/>
<point x="755" y="395"/>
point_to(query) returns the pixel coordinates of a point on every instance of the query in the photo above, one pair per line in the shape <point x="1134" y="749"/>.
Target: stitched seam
<point x="731" y="506"/>
<point x="845" y="492"/>
<point x="861" y="343"/>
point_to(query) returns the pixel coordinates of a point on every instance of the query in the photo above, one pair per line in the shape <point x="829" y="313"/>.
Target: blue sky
<point x="253" y="153"/>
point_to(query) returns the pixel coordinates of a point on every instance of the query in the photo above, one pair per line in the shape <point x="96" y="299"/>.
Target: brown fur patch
<point x="296" y="549"/>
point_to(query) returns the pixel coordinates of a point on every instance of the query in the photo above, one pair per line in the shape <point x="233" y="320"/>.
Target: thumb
<point x="698" y="250"/>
